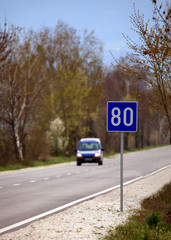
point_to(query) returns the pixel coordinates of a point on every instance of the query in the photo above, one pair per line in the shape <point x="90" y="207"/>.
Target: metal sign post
<point x="121" y="172"/>
<point x="122" y="117"/>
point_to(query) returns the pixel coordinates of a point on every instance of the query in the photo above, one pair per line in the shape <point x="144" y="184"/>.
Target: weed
<point x="154" y="219"/>
<point x="79" y="229"/>
<point x="152" y="222"/>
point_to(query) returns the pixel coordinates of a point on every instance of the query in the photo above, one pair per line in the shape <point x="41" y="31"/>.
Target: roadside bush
<point x="160" y="202"/>
<point x="135" y="229"/>
<point x="152" y="222"/>
<point x="55" y="137"/>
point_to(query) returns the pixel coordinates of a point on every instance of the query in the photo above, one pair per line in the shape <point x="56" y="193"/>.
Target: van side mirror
<point x="75" y="149"/>
<point x="102" y="149"/>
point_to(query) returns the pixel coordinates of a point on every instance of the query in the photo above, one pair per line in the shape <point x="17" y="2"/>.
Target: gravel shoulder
<point x="92" y="219"/>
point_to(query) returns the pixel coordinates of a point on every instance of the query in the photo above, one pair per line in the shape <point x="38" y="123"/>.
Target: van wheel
<point x="100" y="163"/>
<point x="78" y="163"/>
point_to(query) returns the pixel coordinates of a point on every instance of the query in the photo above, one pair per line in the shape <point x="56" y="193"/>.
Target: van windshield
<point x="88" y="146"/>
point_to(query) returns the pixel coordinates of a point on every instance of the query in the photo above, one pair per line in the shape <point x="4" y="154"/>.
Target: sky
<point x="107" y="18"/>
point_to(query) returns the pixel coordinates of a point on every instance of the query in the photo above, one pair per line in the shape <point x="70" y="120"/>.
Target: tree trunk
<point x="126" y="141"/>
<point x="169" y="121"/>
<point x="17" y="143"/>
<point x="136" y="140"/>
<point x="148" y="137"/>
<point x="142" y="136"/>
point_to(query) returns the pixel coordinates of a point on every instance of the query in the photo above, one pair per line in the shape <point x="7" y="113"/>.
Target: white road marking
<point x="16" y="184"/>
<point x="5" y="229"/>
<point x="33" y="181"/>
<point x="78" y="172"/>
<point x="46" y="178"/>
<point x="163" y="168"/>
<point x="1" y="187"/>
<point x="68" y="174"/>
<point x="58" y="176"/>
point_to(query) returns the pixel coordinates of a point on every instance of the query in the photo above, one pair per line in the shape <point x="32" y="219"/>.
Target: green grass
<point x="12" y="167"/>
<point x="133" y="150"/>
<point x="111" y="154"/>
<point x="50" y="161"/>
<point x="152" y="222"/>
<point x="58" y="160"/>
<point x="54" y="160"/>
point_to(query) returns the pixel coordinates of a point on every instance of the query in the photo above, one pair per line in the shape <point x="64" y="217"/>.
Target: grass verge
<point x="145" y="148"/>
<point x="152" y="222"/>
<point x="111" y="154"/>
<point x="61" y="159"/>
<point x="50" y="161"/>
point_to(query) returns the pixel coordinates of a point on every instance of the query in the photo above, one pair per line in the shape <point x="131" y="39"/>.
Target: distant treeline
<point x="54" y="90"/>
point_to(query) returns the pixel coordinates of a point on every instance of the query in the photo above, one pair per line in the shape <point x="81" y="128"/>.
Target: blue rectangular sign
<point x="122" y="116"/>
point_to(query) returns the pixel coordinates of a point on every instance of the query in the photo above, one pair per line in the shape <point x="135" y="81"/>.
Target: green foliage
<point x="49" y="161"/>
<point x="46" y="75"/>
<point x="58" y="73"/>
<point x="160" y="201"/>
<point x="152" y="222"/>
<point x="12" y="167"/>
<point x="137" y="230"/>
<point x="71" y="97"/>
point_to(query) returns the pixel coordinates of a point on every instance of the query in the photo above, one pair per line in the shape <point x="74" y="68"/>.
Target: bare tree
<point x="20" y="88"/>
<point x="153" y="56"/>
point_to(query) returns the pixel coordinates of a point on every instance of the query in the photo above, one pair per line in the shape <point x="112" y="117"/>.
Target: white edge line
<point x="5" y="229"/>
<point x="55" y="210"/>
<point x="163" y="168"/>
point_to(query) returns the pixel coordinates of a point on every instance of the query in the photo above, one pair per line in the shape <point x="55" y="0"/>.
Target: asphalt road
<point x="29" y="192"/>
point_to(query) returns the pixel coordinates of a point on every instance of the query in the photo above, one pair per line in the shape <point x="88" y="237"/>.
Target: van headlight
<point x="79" y="155"/>
<point x="97" y="155"/>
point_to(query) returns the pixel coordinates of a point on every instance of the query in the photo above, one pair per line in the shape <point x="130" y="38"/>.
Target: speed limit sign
<point x="122" y="116"/>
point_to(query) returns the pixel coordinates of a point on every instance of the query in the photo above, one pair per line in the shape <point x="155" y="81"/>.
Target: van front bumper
<point x="89" y="159"/>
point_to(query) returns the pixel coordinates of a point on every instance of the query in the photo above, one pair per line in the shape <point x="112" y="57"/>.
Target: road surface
<point x="30" y="192"/>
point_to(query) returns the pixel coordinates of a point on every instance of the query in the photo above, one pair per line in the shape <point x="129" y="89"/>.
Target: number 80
<point x="117" y="116"/>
